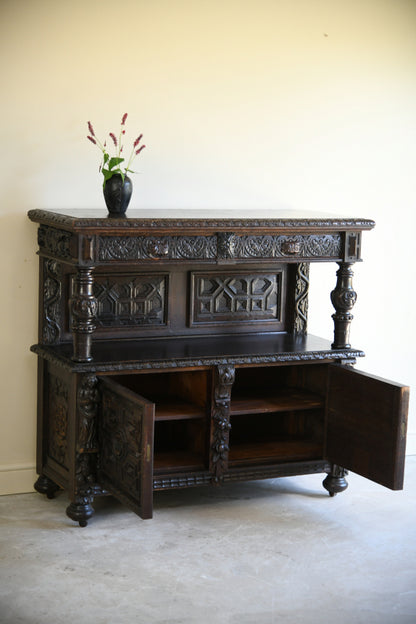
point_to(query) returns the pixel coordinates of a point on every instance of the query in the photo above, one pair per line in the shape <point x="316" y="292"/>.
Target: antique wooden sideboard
<point x="173" y="352"/>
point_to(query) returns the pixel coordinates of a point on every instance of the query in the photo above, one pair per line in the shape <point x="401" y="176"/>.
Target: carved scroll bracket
<point x="343" y="298"/>
<point x="224" y="379"/>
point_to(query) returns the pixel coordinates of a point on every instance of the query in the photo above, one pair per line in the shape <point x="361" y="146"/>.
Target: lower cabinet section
<point x="135" y="433"/>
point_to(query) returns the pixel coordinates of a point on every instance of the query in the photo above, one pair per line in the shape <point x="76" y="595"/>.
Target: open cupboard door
<point x="126" y="447"/>
<point x="367" y="422"/>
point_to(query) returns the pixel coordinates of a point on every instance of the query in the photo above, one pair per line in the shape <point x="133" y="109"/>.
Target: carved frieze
<point x="126" y="301"/>
<point x="52" y="291"/>
<point x="236" y="297"/>
<point x="58" y="396"/>
<point x="224" y="245"/>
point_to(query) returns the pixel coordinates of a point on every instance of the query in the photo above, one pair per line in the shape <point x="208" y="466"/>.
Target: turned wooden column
<point x="83" y="307"/>
<point x="343" y="298"/>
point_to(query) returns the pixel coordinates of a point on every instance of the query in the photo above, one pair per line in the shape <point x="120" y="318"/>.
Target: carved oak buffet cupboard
<point x="173" y="352"/>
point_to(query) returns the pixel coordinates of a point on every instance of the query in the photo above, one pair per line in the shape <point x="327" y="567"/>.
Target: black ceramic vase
<point x="117" y="194"/>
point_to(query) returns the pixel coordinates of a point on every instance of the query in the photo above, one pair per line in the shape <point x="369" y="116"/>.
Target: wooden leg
<point x="335" y="482"/>
<point x="44" y="485"/>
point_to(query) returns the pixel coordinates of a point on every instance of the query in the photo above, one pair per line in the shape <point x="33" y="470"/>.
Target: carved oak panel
<point x="58" y="398"/>
<point x="128" y="301"/>
<point x="236" y="297"/>
<point x="126" y="446"/>
<point x="52" y="293"/>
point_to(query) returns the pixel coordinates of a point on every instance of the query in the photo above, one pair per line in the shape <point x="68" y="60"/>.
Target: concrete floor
<point x="270" y="552"/>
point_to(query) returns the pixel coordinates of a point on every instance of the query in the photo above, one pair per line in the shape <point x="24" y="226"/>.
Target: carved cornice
<point x="196" y="223"/>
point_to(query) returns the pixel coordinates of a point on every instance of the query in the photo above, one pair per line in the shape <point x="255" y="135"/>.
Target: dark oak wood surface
<point x="174" y="352"/>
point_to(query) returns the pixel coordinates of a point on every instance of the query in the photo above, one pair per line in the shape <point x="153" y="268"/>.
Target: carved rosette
<point x="224" y="379"/>
<point x="301" y="298"/>
<point x="52" y="291"/>
<point x="343" y="298"/>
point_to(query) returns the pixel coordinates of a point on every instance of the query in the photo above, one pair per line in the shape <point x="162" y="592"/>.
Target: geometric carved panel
<point x="236" y="297"/>
<point x="128" y="301"/>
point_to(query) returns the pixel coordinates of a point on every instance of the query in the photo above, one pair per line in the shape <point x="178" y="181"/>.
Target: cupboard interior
<point x="182" y="402"/>
<point x="277" y="414"/>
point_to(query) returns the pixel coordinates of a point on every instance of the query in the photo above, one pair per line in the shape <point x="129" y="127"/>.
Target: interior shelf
<point x="176" y="461"/>
<point x="282" y="401"/>
<point x="177" y="410"/>
<point x="275" y="451"/>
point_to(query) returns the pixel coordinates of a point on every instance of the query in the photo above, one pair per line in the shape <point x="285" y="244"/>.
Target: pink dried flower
<point x="91" y="129"/>
<point x="137" y="141"/>
<point x="123" y="121"/>
<point x="140" y="149"/>
<point x="92" y="140"/>
<point x="113" y="136"/>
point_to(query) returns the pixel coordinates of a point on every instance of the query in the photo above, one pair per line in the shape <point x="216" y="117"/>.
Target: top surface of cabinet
<point x="293" y="220"/>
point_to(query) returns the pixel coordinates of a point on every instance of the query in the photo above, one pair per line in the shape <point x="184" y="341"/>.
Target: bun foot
<point x="335" y="482"/>
<point x="81" y="512"/>
<point x="44" y="485"/>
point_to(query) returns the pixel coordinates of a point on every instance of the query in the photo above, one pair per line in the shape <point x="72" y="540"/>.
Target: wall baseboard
<point x="17" y="479"/>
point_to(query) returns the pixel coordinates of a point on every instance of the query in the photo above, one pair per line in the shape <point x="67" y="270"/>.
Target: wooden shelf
<point x="175" y="461"/>
<point x="283" y="401"/>
<point x="177" y="410"/>
<point x="275" y="451"/>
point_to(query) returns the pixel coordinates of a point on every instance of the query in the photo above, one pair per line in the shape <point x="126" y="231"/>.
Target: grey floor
<point x="277" y="551"/>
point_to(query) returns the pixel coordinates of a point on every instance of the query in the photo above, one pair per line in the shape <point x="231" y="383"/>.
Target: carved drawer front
<point x="126" y="446"/>
<point x="236" y="297"/>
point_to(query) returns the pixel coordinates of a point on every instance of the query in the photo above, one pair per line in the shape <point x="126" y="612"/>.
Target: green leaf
<point x="106" y="157"/>
<point x="113" y="162"/>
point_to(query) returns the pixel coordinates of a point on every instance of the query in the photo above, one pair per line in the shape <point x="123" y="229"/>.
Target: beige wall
<point x="305" y="104"/>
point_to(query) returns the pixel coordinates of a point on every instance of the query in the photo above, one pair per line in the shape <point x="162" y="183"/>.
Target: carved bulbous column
<point x="83" y="306"/>
<point x="343" y="298"/>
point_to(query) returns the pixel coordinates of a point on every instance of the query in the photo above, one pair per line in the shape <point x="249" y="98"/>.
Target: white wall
<point x="305" y="104"/>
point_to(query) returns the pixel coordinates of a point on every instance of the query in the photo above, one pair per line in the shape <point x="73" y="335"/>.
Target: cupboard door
<point x="367" y="421"/>
<point x="126" y="447"/>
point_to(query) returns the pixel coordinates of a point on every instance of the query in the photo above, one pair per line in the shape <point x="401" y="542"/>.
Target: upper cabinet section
<point x="90" y="238"/>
